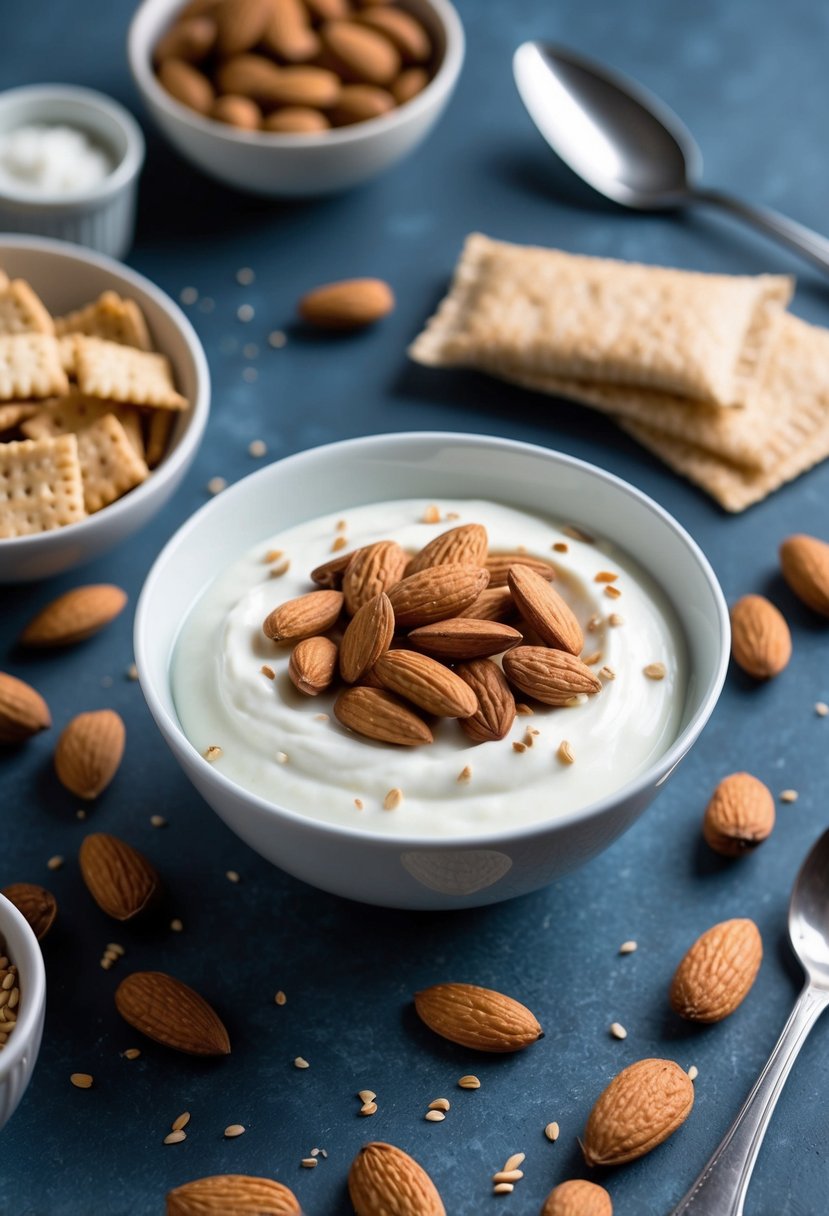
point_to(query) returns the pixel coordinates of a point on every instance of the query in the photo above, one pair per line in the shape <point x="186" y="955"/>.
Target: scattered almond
<point x="496" y="710"/>
<point x="436" y="593"/>
<point x="804" y="561"/>
<point x="23" y="711"/>
<point x="385" y="1181"/>
<point x="464" y="638"/>
<point x="479" y="1018"/>
<point x="119" y="878"/>
<point x="547" y="612"/>
<point x="379" y="715"/>
<point x="170" y="1012"/>
<point x="760" y="640"/>
<point x="372" y="570"/>
<point x="75" y="615"/>
<point x="500" y="564"/>
<point x="35" y="903"/>
<point x="739" y="816"/>
<point x="312" y="665"/>
<point x="89" y="752"/>
<point x="350" y="304"/>
<point x="642" y="1106"/>
<point x="718" y="971"/>
<point x="577" y="1198"/>
<point x="367" y="637"/>
<point x="304" y="616"/>
<point x="426" y="683"/>
<point x="466" y="545"/>
<point x="238" y="1194"/>
<point x="551" y="676"/>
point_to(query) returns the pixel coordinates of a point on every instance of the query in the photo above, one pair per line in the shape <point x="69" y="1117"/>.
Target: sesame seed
<point x="524" y="710"/>
<point x="561" y="546"/>
<point x="618" y="1031"/>
<point x="188" y="295"/>
<point x="280" y="998"/>
<point x="592" y="659"/>
<point x="358" y="802"/>
<point x="132" y="672"/>
<point x="366" y="1095"/>
<point x="469" y="1082"/>
<point x="615" y="620"/>
<point x="232" y="876"/>
<point x="518" y="747"/>
<point x="250" y="375"/>
<point x="216" y="485"/>
<point x="245" y="276"/>
<point x="465" y="774"/>
<point x="821" y="709"/>
<point x="503" y="1188"/>
<point x="340" y="525"/>
<point x="276" y="339"/>
<point x="281" y="568"/>
<point x="212" y="753"/>
<point x="434" y="1116"/>
<point x="106" y="963"/>
<point x="431" y="515"/>
<point x="552" y="1131"/>
<point x="176" y="925"/>
<point x="268" y="671"/>
<point x="607" y="673"/>
<point x="158" y="821"/>
<point x="272" y="555"/>
<point x="281" y="758"/>
<point x="309" y="1163"/>
<point x="565" y="752"/>
<point x="440" y="1104"/>
<point x="181" y="1121"/>
<point x="81" y="1080"/>
<point x="175" y="1137"/>
<point x="529" y="737"/>
<point x="393" y="799"/>
<point x="300" y="1063"/>
<point x="245" y="313"/>
<point x="233" y="1130"/>
<point x="605" y="576"/>
<point x="315" y="1152"/>
<point x="508" y="1176"/>
<point x="655" y="671"/>
<point x="54" y="863"/>
<point x="321" y="718"/>
<point x="257" y="447"/>
<point x="339" y="542"/>
<point x="693" y="1073"/>
<point x="612" y="591"/>
<point x="628" y="947"/>
<point x="368" y="1108"/>
<point x="132" y="1053"/>
<point x="788" y="795"/>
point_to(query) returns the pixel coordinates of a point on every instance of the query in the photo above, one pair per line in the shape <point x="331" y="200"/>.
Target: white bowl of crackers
<point x="104" y="397"/>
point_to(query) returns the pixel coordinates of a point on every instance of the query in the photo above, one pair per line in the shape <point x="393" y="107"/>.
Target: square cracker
<point x="40" y="485"/>
<point x="111" y="317"/>
<point x="75" y="412"/>
<point x="22" y="311"/>
<point x="119" y="373"/>
<point x="30" y="366"/>
<point x="109" y="463"/>
<point x="159" y="429"/>
<point x="15" y="412"/>
<point x="516" y="310"/>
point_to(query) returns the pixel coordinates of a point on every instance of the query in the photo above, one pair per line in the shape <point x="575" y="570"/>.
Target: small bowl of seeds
<point x="22" y="1006"/>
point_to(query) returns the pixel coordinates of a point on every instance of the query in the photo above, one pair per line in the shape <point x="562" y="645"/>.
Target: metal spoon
<point x="628" y="145"/>
<point x="721" y="1188"/>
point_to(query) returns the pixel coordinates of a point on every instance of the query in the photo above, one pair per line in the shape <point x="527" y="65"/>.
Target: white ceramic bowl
<point x="18" y="1057"/>
<point x="424" y="872"/>
<point x="102" y="217"/>
<point x="66" y="276"/>
<point x="286" y="165"/>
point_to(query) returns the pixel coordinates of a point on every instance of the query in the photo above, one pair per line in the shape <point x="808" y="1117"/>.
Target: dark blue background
<point x="750" y="78"/>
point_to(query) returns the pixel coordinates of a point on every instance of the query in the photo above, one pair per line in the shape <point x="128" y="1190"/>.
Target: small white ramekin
<point x="18" y="1057"/>
<point x="102" y="218"/>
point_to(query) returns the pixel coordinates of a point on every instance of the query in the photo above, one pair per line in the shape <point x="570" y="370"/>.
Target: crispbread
<point x="159" y="426"/>
<point x="15" y="412"/>
<point x="30" y="367"/>
<point x="21" y="310"/>
<point x="111" y="317"/>
<point x="75" y="412"/>
<point x="516" y="310"/>
<point x="109" y="463"/>
<point x="40" y="485"/>
<point x="119" y="373"/>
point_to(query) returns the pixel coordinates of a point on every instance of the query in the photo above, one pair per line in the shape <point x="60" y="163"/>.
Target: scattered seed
<point x="281" y="758"/>
<point x="366" y="1095"/>
<point x="508" y="1176"/>
<point x="81" y="1080"/>
<point x="618" y="1031"/>
<point x="513" y="1162"/>
<point x="578" y="699"/>
<point x="612" y="591"/>
<point x="524" y="710"/>
<point x="276" y="339"/>
<point x="592" y="659"/>
<point x="393" y="799"/>
<point x="655" y="671"/>
<point x="309" y="1163"/>
<point x="280" y="568"/>
<point x="257" y="447"/>
<point x="440" y="1104"/>
<point x="280" y="998"/>
<point x="455" y="515"/>
<point x="54" y="863"/>
<point x="693" y="1073"/>
<point x="232" y="876"/>
<point x="176" y="925"/>
<point x="340" y="525"/>
<point x="272" y="555"/>
<point x="561" y="546"/>
<point x="315" y="1152"/>
<point x="577" y="534"/>
<point x="358" y="802"/>
<point x="132" y="1053"/>
<point x="267" y="671"/>
<point x="615" y="620"/>
<point x="132" y="672"/>
<point x="188" y="295"/>
<point x="593" y="624"/>
<point x="216" y="485"/>
<point x="368" y="1108"/>
<point x="469" y="1082"/>
<point x="300" y="1063"/>
<point x="465" y="774"/>
<point x="435" y="1116"/>
<point x="116" y="949"/>
<point x="175" y="1137"/>
<point x="321" y="718"/>
<point x="628" y="947"/>
<point x="605" y="576"/>
<point x="106" y="964"/>
<point x="181" y="1121"/>
<point x="518" y="747"/>
<point x="788" y="795"/>
<point x="529" y="737"/>
<point x="212" y="753"/>
<point x="503" y="1188"/>
<point x="552" y="1131"/>
<point x="431" y="515"/>
<point x="245" y="313"/>
<point x="607" y="673"/>
<point x="821" y="709"/>
<point x="565" y="752"/>
<point x="80" y="813"/>
<point x="339" y="542"/>
<point x="233" y="1130"/>
<point x="158" y="821"/>
<point x="245" y="276"/>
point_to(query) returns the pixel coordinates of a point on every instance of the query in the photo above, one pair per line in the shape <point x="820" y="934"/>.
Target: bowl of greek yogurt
<point x="442" y="819"/>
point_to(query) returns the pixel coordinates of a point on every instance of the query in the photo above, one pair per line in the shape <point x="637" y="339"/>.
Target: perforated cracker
<point x="111" y="317"/>
<point x="22" y="311"/>
<point x="30" y="366"/>
<point x="40" y="486"/>
<point x="109" y="463"/>
<point x="76" y="411"/>
<point x="119" y="373"/>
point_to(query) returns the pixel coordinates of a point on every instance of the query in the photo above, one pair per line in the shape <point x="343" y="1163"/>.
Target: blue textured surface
<point x="750" y="78"/>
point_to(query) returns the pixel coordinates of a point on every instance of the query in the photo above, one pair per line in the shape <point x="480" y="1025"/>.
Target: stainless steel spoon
<point x="628" y="145"/>
<point x="721" y="1188"/>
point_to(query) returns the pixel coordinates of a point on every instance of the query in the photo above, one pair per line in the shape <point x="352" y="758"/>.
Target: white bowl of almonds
<point x="430" y="670"/>
<point x="295" y="97"/>
<point x="22" y="1006"/>
<point x="104" y="397"/>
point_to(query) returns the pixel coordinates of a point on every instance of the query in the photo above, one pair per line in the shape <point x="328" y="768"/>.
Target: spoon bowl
<point x="809" y="915"/>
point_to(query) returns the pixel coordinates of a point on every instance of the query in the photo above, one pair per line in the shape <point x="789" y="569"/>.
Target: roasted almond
<point x="187" y="85"/>
<point x="251" y="76"/>
<point x="327" y="10"/>
<point x="240" y="24"/>
<point x="426" y="683"/>
<point x="385" y="1181"/>
<point x="361" y="54"/>
<point x="500" y="564"/>
<point x="717" y="973"/>
<point x="330" y="574"/>
<point x="640" y="1108"/>
<point x="551" y="676"/>
<point x="232" y="1195"/>
<point x="436" y="593"/>
<point x="479" y="1018"/>
<point x="375" y="568"/>
<point x="35" y="903"/>
<point x="378" y="715"/>
<point x="739" y="816"/>
<point x="312" y="665"/>
<point x="288" y="34"/>
<point x="401" y="28"/>
<point x="464" y="546"/>
<point x="295" y="120"/>
<point x="189" y="40"/>
<point x="75" y="615"/>
<point x="495" y="714"/>
<point x="89" y="752"/>
<point x="23" y="712"/>
<point x="359" y="103"/>
<point x="464" y="638"/>
<point x="305" y="86"/>
<point x="804" y="561"/>
<point x="493" y="604"/>
<point x="368" y="635"/>
<point x="549" y="614"/>
<point x="170" y="1012"/>
<point x="119" y="878"/>
<point x="238" y="111"/>
<point x="304" y="616"/>
<point x="408" y="84"/>
<point x="348" y="304"/>
<point x="578" y="1197"/>
<point x="760" y="640"/>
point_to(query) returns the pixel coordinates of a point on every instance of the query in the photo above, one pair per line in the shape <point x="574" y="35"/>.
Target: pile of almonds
<point x="293" y="66"/>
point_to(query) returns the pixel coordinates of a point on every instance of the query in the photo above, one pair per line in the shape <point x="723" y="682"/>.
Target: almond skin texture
<point x="251" y="76"/>
<point x="363" y="55"/>
<point x="760" y="640"/>
<point x="495" y="714"/>
<point x="312" y="665"/>
<point x="119" y="878"/>
<point x="717" y="973"/>
<point x="187" y="85"/>
<point x="378" y="715"/>
<point x="436" y="593"/>
<point x="550" y="616"/>
<point x="640" y="1108"/>
<point x="330" y="574"/>
<point x="464" y="638"/>
<point x="426" y="683"/>
<point x="375" y="568"/>
<point x="76" y="615"/>
<point x="804" y="561"/>
<point x="500" y="564"/>
<point x="477" y="1017"/>
<point x="739" y="816"/>
<point x="350" y="304"/>
<point x="23" y="712"/>
<point x="551" y="676"/>
<point x="493" y="604"/>
<point x="464" y="546"/>
<point x="409" y="84"/>
<point x="89" y="752"/>
<point x="304" y="616"/>
<point x="38" y="905"/>
<point x="367" y="637"/>
<point x="385" y="1181"/>
<point x="577" y="1198"/>
<point x="168" y="1011"/>
<point x="359" y="103"/>
<point x="238" y="1194"/>
<point x="241" y="24"/>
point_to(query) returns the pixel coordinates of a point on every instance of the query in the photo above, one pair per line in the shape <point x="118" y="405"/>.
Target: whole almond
<point x="35" y="903"/>
<point x="359" y="103"/>
<point x="367" y="637"/>
<point x="804" y="561"/>
<point x="464" y="638"/>
<point x="327" y="10"/>
<point x="378" y="715"/>
<point x="170" y="1012"/>
<point x="187" y="85"/>
<point x="232" y="1195"/>
<point x="189" y="40"/>
<point x="436" y="593"/>
<point x="119" y="878"/>
<point x="493" y="604"/>
<point x="330" y="574"/>
<point x="760" y="640"/>
<point x="305" y="86"/>
<point x="295" y="120"/>
<point x="640" y="1108"/>
<point x="23" y="711"/>
<point x="253" y="76"/>
<point x="362" y="54"/>
<point x="577" y="1198"/>
<point x="347" y="304"/>
<point x="75" y="615"/>
<point x="426" y="683"/>
<point x="549" y="614"/>
<point x="237" y="111"/>
<point x="373" y="569"/>
<point x="241" y="24"/>
<point x="408" y="84"/>
<point x="466" y="545"/>
<point x="718" y="971"/>
<point x="495" y="714"/>
<point x="402" y="29"/>
<point x="288" y="34"/>
<point x="550" y="676"/>
<point x="89" y="752"/>
<point x="312" y="665"/>
<point x="304" y="616"/>
<point x="479" y="1018"/>
<point x="500" y="564"/>
<point x="385" y="1181"/>
<point x="739" y="816"/>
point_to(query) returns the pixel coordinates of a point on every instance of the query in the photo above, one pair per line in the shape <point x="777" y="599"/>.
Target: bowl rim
<point x="197" y="414"/>
<point x="654" y="774"/>
<point x="139" y="54"/>
<point x="128" y="166"/>
<point x="33" y="969"/>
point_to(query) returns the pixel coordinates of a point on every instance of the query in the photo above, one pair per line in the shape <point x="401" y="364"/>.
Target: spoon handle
<point x="721" y="1188"/>
<point x="796" y="236"/>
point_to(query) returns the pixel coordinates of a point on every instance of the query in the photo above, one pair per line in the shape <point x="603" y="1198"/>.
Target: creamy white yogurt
<point x="290" y="749"/>
<point x="51" y="160"/>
